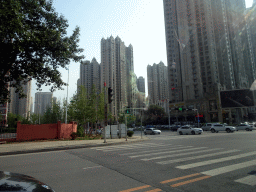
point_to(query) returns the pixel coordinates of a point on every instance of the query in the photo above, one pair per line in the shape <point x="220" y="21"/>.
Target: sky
<point x="137" y="22"/>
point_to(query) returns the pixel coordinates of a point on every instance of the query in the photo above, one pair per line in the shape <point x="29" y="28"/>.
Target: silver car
<point x="244" y="126"/>
<point x="187" y="130"/>
<point x="152" y="131"/>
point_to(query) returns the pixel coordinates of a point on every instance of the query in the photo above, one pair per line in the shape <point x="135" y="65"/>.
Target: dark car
<point x="175" y="127"/>
<point x="19" y="182"/>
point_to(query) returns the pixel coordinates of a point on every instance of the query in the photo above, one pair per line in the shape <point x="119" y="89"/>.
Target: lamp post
<point x="67" y="101"/>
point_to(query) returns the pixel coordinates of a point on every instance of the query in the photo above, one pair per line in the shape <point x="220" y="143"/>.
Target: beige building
<point x="157" y="83"/>
<point x="90" y="75"/>
<point x="43" y="100"/>
<point x="208" y="50"/>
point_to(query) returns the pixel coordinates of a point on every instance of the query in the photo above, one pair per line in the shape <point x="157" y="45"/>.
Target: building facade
<point x="90" y="76"/>
<point x="208" y="50"/>
<point x="157" y="83"/>
<point x="20" y="106"/>
<point x="43" y="101"/>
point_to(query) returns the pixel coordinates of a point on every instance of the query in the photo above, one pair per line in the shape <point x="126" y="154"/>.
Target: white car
<point x="219" y="127"/>
<point x="152" y="131"/>
<point x="187" y="130"/>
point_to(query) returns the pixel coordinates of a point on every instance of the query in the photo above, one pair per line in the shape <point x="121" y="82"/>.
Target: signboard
<point x="239" y="98"/>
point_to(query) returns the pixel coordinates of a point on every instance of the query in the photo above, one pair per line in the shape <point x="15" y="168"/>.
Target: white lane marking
<point x="130" y="147"/>
<point x="92" y="167"/>
<point x="249" y="180"/>
<point x="229" y="168"/>
<point x="196" y="157"/>
<point x="43" y="152"/>
<point x="164" y="147"/>
<point x="119" y="146"/>
<point x="163" y="152"/>
<point x="212" y="161"/>
<point x="182" y="154"/>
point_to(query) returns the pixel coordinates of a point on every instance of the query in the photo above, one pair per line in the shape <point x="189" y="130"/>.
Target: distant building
<point x="90" y="75"/>
<point x="157" y="83"/>
<point x="141" y="84"/>
<point x="20" y="106"/>
<point x="43" y="100"/>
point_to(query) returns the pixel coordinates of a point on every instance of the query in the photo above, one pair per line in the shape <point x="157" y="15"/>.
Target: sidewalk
<point x="40" y="146"/>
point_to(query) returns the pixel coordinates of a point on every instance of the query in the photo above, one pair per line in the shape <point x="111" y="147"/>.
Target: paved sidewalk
<point x="40" y="146"/>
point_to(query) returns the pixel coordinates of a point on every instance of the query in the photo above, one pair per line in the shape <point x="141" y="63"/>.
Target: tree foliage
<point x="33" y="45"/>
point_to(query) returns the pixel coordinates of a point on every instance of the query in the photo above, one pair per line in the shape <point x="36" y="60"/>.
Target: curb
<point x="63" y="148"/>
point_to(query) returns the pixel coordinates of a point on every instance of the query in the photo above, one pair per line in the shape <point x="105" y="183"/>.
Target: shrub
<point x="73" y="135"/>
<point x="130" y="133"/>
<point x="80" y="131"/>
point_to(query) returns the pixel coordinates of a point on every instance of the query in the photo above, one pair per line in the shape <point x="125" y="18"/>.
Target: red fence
<point x="45" y="131"/>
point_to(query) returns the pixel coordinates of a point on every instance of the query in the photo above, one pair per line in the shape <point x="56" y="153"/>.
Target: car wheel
<point x="153" y="133"/>
<point x="213" y="130"/>
<point x="228" y="130"/>
<point x="247" y="129"/>
<point x="145" y="133"/>
<point x="193" y="132"/>
<point x="180" y="133"/>
<point x="199" y="133"/>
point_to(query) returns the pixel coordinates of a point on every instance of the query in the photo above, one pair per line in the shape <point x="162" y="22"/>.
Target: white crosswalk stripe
<point x="131" y="147"/>
<point x="125" y="146"/>
<point x="196" y="157"/>
<point x="212" y="161"/>
<point x="249" y="180"/>
<point x="148" y="150"/>
<point x="229" y="168"/>
<point x="163" y="152"/>
<point x="182" y="154"/>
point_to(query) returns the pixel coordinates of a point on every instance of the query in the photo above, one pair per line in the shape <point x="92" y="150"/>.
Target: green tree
<point x="33" y="45"/>
<point x="154" y="115"/>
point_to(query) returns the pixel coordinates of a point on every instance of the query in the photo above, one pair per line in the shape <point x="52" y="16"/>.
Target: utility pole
<point x="106" y="113"/>
<point x="141" y="123"/>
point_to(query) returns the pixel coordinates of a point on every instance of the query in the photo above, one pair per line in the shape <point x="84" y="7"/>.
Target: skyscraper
<point x="43" y="100"/>
<point x="157" y="82"/>
<point x="90" y="75"/>
<point x="108" y="69"/>
<point x="208" y="50"/>
<point x="130" y="76"/>
<point x="141" y="84"/>
<point x="20" y="106"/>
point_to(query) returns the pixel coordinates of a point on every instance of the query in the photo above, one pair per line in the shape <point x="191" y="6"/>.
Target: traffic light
<point x="110" y="95"/>
<point x="127" y="110"/>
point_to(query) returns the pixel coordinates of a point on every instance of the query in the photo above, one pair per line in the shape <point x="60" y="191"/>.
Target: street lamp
<point x="67" y="100"/>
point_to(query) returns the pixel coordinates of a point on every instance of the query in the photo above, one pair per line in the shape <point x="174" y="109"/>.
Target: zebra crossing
<point x="184" y="156"/>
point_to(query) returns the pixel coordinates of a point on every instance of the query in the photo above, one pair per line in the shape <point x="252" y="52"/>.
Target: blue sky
<point x="136" y="22"/>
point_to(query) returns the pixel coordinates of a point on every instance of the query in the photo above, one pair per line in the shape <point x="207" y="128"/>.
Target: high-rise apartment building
<point x="90" y="75"/>
<point x="130" y="76"/>
<point x="208" y="50"/>
<point x="20" y="106"/>
<point x="121" y="79"/>
<point x="141" y="84"/>
<point x="118" y="72"/>
<point x="157" y="82"/>
<point x="43" y="101"/>
<point x="108" y="69"/>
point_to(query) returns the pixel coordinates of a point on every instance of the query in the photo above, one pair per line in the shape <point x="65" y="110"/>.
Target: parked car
<point x="219" y="127"/>
<point x="187" y="130"/>
<point x="244" y="126"/>
<point x="152" y="131"/>
<point x="207" y="126"/>
<point x="19" y="182"/>
<point x="175" y="127"/>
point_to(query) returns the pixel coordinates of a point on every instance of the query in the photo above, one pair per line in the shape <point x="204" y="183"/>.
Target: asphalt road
<point x="168" y="162"/>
